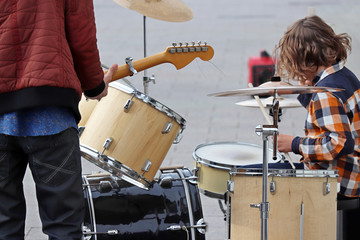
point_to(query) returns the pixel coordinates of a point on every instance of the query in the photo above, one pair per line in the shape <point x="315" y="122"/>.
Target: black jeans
<point x="55" y="164"/>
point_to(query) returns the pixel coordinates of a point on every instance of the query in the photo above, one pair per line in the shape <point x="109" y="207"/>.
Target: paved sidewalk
<point x="236" y="30"/>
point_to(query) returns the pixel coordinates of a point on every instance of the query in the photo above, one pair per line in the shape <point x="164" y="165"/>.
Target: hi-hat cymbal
<point x="166" y="10"/>
<point x="269" y="88"/>
<point x="268" y="102"/>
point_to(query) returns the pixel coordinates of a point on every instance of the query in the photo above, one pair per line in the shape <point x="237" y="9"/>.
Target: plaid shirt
<point x="332" y="128"/>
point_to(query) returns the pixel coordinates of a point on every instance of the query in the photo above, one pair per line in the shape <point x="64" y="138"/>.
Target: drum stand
<point x="266" y="131"/>
<point x="146" y="79"/>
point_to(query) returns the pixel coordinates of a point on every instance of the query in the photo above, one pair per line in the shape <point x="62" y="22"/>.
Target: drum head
<point x="231" y="154"/>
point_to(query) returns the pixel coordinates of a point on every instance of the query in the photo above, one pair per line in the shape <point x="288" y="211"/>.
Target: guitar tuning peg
<point x="193" y="43"/>
<point x="174" y="44"/>
<point x="180" y="44"/>
<point x="199" y="43"/>
<point x="186" y="44"/>
<point x="205" y="43"/>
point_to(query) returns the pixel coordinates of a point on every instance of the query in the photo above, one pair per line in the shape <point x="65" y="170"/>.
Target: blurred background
<point x="237" y="30"/>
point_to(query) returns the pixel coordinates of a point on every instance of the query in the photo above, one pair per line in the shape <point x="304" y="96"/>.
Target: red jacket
<point x="48" y="53"/>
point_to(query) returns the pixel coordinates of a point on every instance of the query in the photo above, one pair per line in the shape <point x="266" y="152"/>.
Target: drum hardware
<point x="302" y="221"/>
<point x="222" y="208"/>
<point x="91" y="212"/>
<point x="326" y="186"/>
<point x="167" y="127"/>
<point x="166" y="182"/>
<point x="178" y="137"/>
<point x="228" y="209"/>
<point x="107" y="144"/>
<point x="145" y="168"/>
<point x="109" y="232"/>
<point x="230" y="186"/>
<point x="147" y="79"/>
<point x="114" y="167"/>
<point x="200" y="226"/>
<point x="104" y="186"/>
<point x="272" y="185"/>
<point x="187" y="194"/>
<point x="128" y="104"/>
<point x="128" y="61"/>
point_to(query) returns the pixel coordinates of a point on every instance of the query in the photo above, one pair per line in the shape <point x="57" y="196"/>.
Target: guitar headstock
<point x="182" y="54"/>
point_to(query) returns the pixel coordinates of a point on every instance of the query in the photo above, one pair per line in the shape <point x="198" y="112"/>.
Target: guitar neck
<point x="179" y="56"/>
<point x="140" y="65"/>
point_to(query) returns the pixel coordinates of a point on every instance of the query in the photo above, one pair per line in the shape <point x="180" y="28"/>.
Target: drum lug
<point x="166" y="182"/>
<point x="326" y="186"/>
<point x="167" y="127"/>
<point x="178" y="138"/>
<point x="195" y="171"/>
<point x="230" y="186"/>
<point x="128" y="105"/>
<point x="107" y="144"/>
<point x="272" y="185"/>
<point x="86" y="232"/>
<point x="146" y="166"/>
<point x="201" y="226"/>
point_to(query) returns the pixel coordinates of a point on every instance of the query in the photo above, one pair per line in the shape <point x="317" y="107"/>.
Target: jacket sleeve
<point x="328" y="130"/>
<point x="81" y="35"/>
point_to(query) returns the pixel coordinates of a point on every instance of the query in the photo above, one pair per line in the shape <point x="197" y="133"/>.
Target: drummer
<point x="312" y="53"/>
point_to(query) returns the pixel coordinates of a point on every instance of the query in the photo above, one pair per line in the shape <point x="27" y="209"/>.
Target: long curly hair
<point x="309" y="44"/>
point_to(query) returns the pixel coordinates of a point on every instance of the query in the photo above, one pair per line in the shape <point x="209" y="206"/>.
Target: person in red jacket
<point x="48" y="58"/>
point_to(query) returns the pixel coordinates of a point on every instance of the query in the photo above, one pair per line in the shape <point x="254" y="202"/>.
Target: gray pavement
<point x="236" y="30"/>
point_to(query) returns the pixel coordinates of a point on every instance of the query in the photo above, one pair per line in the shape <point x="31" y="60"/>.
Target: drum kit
<point x="128" y="134"/>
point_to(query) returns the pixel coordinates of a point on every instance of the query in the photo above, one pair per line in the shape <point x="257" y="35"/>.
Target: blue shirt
<point x="39" y="121"/>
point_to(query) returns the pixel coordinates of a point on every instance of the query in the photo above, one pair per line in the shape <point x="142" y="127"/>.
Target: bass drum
<point x="116" y="209"/>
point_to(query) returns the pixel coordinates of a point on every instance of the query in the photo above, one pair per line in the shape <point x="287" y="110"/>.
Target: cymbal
<point x="267" y="102"/>
<point x="166" y="10"/>
<point x="269" y="88"/>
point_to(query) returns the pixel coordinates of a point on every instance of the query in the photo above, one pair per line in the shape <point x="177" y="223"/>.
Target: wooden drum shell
<point x="137" y="134"/>
<point x="319" y="210"/>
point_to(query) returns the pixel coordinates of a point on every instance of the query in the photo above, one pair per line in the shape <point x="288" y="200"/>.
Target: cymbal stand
<point x="146" y="78"/>
<point x="266" y="131"/>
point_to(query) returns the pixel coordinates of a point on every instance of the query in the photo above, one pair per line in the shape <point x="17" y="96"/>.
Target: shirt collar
<point x="326" y="72"/>
<point x="305" y="99"/>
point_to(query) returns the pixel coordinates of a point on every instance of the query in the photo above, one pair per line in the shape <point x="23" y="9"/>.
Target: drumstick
<point x="269" y="122"/>
<point x="262" y="108"/>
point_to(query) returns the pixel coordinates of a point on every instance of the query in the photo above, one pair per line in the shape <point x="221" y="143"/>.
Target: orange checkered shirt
<point x="332" y="128"/>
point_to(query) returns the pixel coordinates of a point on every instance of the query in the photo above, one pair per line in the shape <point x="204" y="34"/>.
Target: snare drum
<point x="171" y="209"/>
<point x="215" y="160"/>
<point x="302" y="203"/>
<point x="133" y="129"/>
